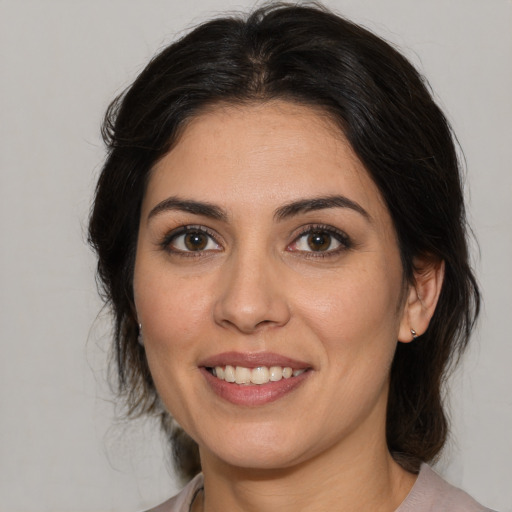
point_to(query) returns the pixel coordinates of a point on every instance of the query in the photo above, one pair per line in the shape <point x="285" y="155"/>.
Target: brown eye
<point x="191" y="240"/>
<point x="195" y="241"/>
<point x="322" y="241"/>
<point x="319" y="241"/>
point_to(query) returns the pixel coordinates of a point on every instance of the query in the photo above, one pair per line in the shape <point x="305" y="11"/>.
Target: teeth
<point x="229" y="373"/>
<point x="259" y="375"/>
<point x="242" y="375"/>
<point x="276" y="373"/>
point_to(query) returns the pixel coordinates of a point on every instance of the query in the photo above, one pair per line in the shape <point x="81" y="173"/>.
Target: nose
<point x="251" y="295"/>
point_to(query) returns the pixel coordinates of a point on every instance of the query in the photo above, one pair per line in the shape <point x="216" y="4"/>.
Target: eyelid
<point x="183" y="230"/>
<point x="339" y="235"/>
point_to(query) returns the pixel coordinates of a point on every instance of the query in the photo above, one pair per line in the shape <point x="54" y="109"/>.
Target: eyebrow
<point x="319" y="203"/>
<point x="185" y="205"/>
<point x="212" y="211"/>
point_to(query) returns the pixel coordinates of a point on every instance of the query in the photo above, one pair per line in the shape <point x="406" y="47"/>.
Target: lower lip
<point x="253" y="394"/>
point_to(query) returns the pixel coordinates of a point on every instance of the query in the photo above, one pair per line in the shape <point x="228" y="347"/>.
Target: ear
<point x="422" y="296"/>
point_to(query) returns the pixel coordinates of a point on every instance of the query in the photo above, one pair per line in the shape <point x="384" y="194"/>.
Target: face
<point x="266" y="256"/>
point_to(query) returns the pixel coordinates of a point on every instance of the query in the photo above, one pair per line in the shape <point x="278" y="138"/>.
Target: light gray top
<point x="430" y="493"/>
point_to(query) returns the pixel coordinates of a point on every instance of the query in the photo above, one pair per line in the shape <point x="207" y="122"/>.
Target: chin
<point x="255" y="450"/>
<point x="257" y="458"/>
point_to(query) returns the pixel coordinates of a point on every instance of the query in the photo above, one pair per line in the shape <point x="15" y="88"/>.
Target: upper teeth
<point x="259" y="375"/>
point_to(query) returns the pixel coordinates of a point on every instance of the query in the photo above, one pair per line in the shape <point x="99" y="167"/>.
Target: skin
<point x="259" y="286"/>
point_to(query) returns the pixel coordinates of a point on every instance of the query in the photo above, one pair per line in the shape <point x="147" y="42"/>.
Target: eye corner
<point x="330" y="241"/>
<point x="201" y="241"/>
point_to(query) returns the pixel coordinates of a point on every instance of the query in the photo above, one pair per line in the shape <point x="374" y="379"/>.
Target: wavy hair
<point x="382" y="105"/>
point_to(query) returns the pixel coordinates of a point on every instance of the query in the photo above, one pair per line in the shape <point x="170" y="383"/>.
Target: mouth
<point x="253" y="379"/>
<point x="258" y="376"/>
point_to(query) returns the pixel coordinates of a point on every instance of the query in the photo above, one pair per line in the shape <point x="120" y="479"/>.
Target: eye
<point x="191" y="239"/>
<point x="320" y="240"/>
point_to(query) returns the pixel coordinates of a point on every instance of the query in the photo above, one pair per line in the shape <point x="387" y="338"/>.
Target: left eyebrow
<point x="319" y="203"/>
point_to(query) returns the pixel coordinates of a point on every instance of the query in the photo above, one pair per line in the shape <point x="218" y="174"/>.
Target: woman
<point x="281" y="235"/>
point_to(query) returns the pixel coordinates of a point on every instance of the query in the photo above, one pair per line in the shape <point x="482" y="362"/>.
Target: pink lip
<point x="252" y="360"/>
<point x="253" y="394"/>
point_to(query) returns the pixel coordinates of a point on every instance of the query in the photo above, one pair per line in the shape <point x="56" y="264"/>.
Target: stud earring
<point x="140" y="339"/>
<point x="414" y="335"/>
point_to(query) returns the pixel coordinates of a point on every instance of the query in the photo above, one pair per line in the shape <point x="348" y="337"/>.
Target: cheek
<point x="173" y="313"/>
<point x="354" y="311"/>
<point x="165" y="301"/>
<point x="174" y="318"/>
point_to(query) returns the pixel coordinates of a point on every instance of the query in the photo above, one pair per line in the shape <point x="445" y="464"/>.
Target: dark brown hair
<point x="308" y="55"/>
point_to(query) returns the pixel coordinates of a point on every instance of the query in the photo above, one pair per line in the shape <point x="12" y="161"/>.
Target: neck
<point x="364" y="480"/>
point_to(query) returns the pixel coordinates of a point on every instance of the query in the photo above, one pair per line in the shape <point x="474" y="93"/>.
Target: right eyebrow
<point x="186" y="205"/>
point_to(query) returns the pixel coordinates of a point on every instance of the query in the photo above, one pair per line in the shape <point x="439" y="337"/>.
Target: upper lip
<point x="253" y="360"/>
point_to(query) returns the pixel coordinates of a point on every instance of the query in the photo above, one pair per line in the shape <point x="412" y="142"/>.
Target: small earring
<point x="414" y="335"/>
<point x="140" y="339"/>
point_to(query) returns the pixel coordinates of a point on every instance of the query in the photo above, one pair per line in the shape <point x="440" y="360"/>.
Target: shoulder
<point x="431" y="493"/>
<point x="182" y="501"/>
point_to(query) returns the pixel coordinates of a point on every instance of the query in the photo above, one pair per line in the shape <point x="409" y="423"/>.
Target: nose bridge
<point x="250" y="294"/>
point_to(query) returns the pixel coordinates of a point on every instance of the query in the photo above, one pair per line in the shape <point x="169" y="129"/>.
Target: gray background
<point x="60" y="64"/>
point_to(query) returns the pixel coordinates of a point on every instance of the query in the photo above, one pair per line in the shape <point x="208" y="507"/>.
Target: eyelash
<point x="338" y="235"/>
<point x="187" y="230"/>
<point x="342" y="238"/>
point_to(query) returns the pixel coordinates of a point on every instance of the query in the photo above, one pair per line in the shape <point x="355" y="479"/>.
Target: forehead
<point x="262" y="154"/>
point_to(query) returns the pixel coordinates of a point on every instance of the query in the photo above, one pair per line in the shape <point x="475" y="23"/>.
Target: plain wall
<point x="61" y="62"/>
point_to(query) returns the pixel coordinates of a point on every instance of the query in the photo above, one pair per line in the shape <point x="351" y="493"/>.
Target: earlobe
<point x="423" y="294"/>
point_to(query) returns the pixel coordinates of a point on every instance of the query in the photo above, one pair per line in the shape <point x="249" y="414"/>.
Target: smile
<point x="254" y="379"/>
<point x="260" y="375"/>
